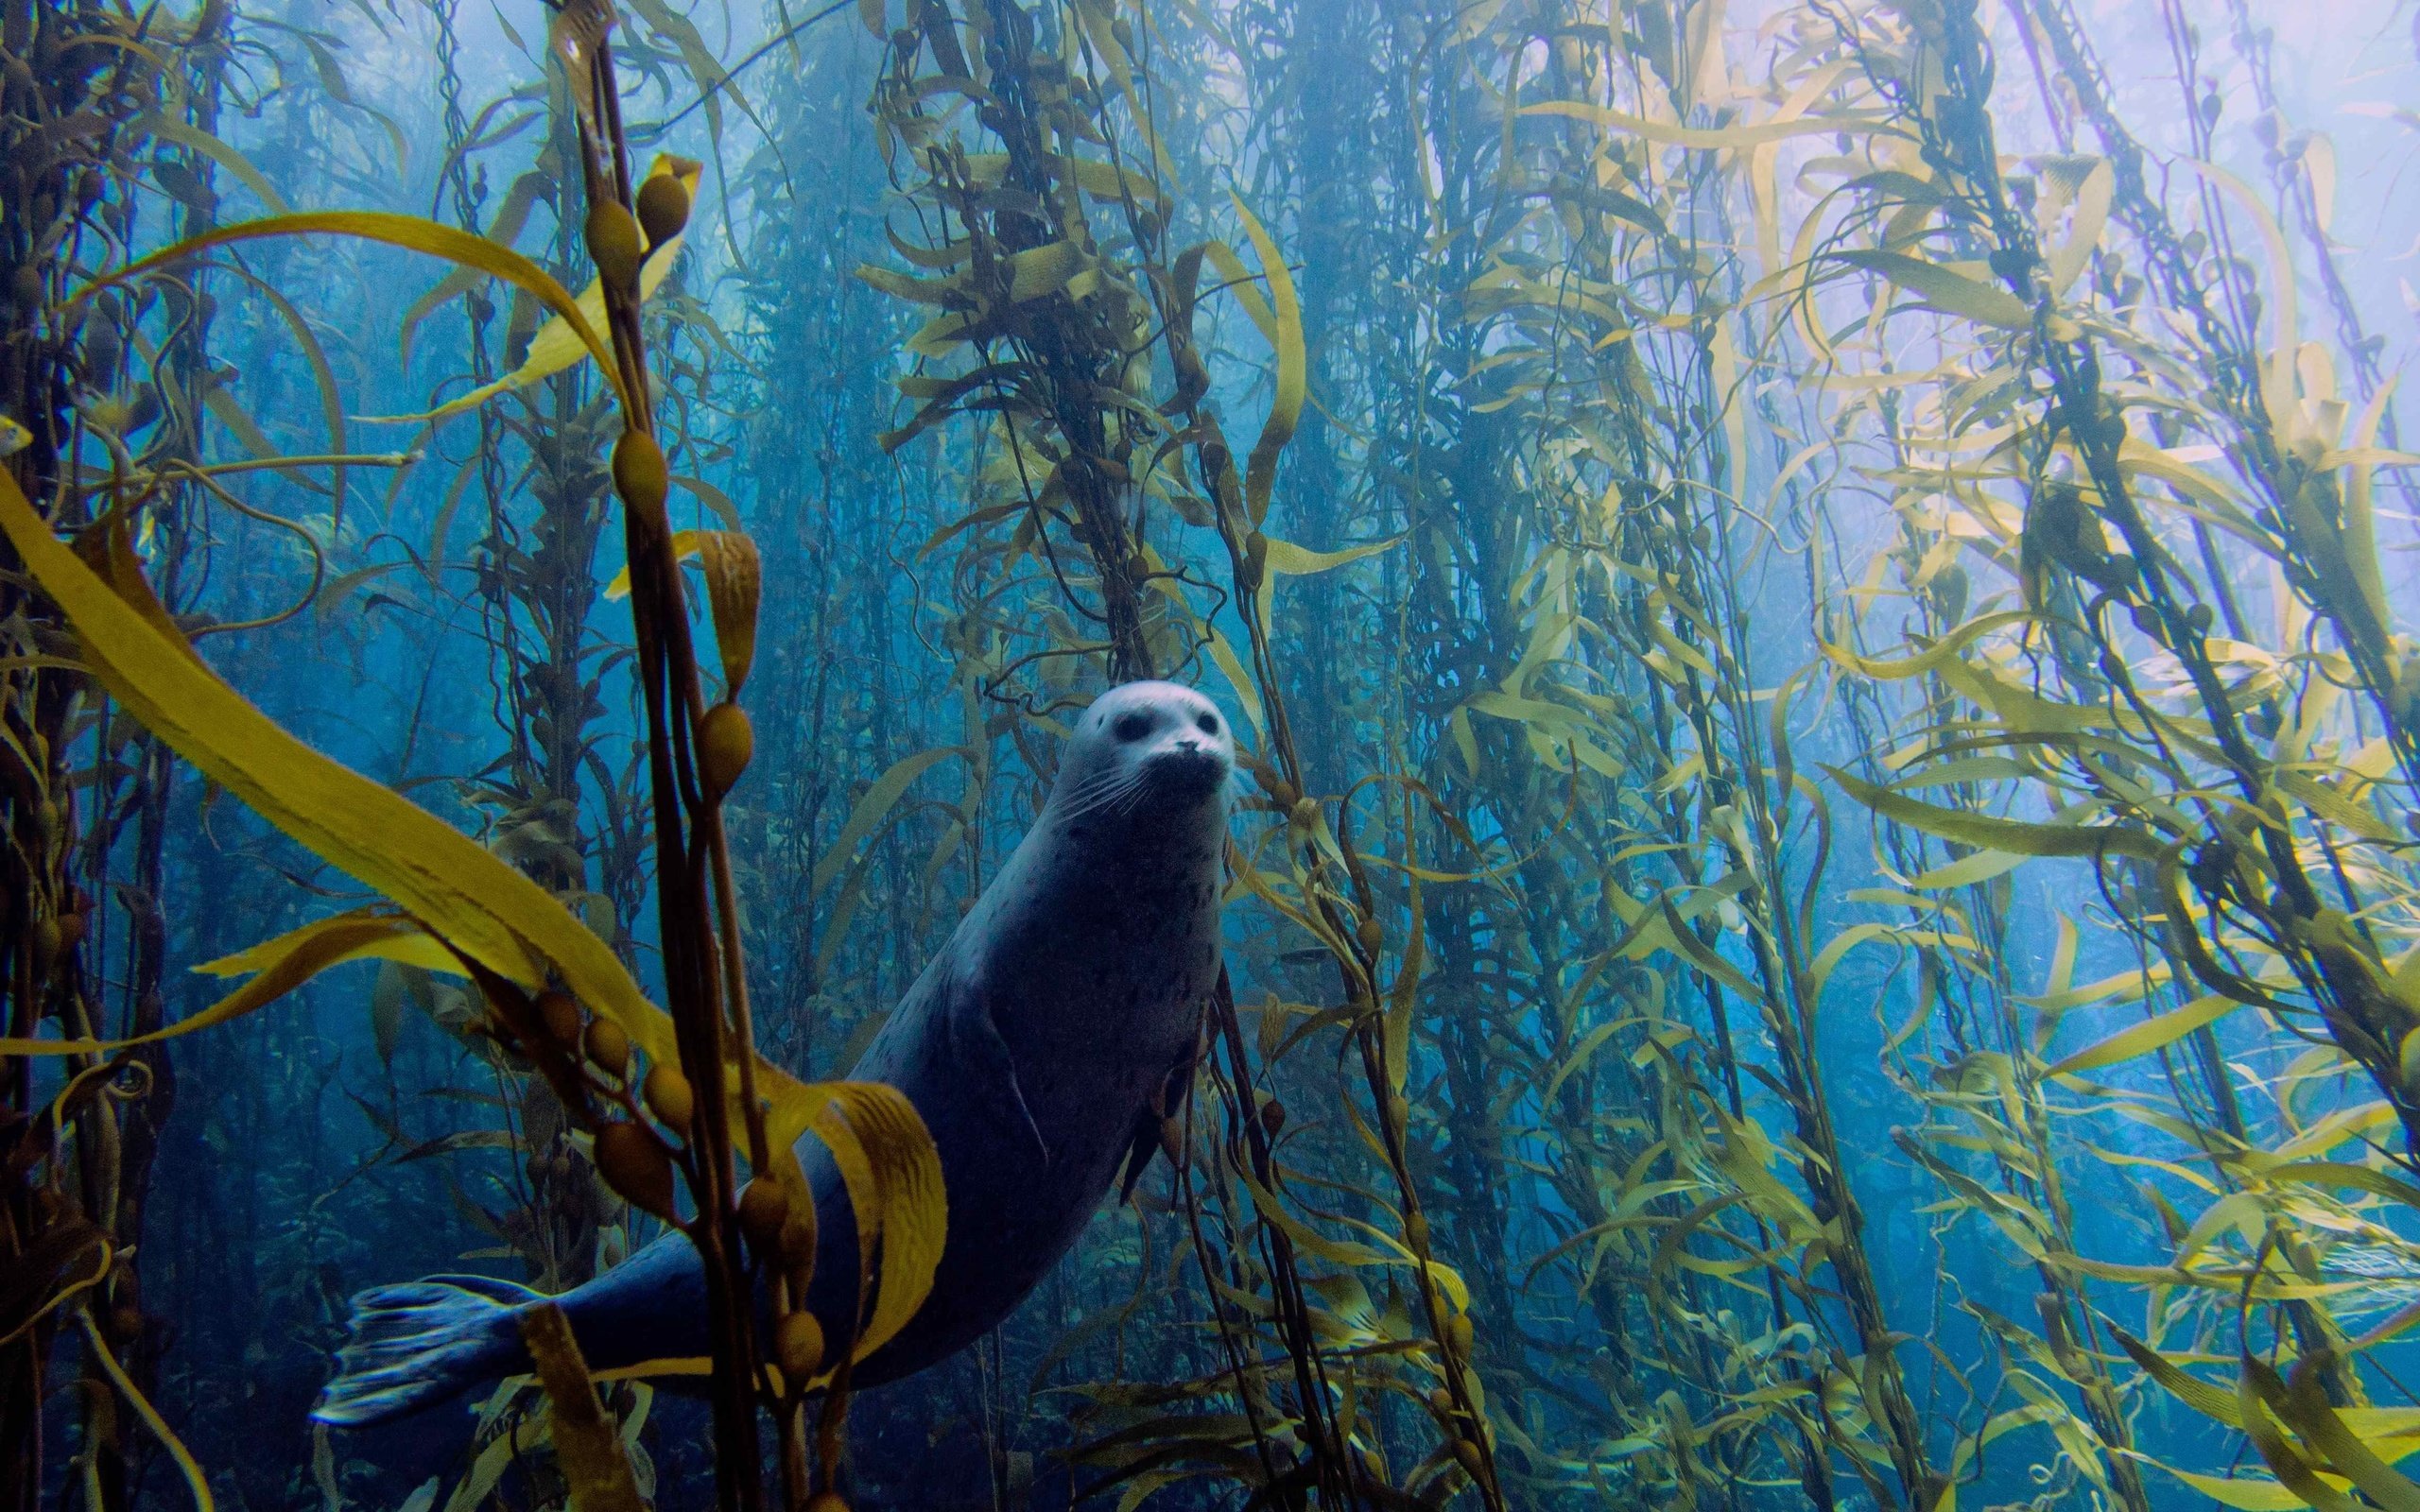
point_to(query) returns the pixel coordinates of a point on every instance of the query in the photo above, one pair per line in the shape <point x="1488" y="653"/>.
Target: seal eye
<point x="1207" y="724"/>
<point x="1133" y="726"/>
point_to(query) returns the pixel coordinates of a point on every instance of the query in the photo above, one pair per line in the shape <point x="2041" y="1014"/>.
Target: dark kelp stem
<point x="76" y="79"/>
<point x="688" y="837"/>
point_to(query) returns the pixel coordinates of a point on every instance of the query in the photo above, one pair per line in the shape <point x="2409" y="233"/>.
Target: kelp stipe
<point x="1082" y="313"/>
<point x="79" y="1148"/>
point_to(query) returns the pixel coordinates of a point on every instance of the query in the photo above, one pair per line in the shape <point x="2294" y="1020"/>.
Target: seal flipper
<point x="971" y="1028"/>
<point x="1138" y="1154"/>
<point x="1151" y="1121"/>
<point x="417" y="1343"/>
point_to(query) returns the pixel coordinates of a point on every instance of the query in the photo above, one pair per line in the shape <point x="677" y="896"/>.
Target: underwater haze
<point x="1785" y="871"/>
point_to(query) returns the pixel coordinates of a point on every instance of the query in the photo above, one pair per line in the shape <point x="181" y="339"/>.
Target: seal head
<point x="1148" y="745"/>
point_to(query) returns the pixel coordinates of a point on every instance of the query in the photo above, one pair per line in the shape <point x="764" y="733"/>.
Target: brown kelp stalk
<point x="541" y="973"/>
<point x="2229" y="792"/>
<point x="1617" y="308"/>
<point x="687" y="781"/>
<point x="537" y="589"/>
<point x="1032" y="279"/>
<point x="2327" y="551"/>
<point x="133" y="772"/>
<point x="74" y="80"/>
<point x="1972" y="997"/>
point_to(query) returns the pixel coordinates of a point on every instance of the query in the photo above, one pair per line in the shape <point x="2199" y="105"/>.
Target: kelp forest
<point x="1821" y="895"/>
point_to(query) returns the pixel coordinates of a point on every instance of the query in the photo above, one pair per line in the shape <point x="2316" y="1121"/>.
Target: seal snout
<point x="1188" y="766"/>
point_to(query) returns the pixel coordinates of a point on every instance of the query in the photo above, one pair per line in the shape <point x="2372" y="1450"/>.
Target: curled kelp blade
<point x="734" y="584"/>
<point x="888" y="1164"/>
<point x="277" y="966"/>
<point x="1294" y="380"/>
<point x="477" y="903"/>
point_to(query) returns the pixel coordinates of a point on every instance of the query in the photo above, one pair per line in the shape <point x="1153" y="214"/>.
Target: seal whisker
<point x="1092" y="786"/>
<point x="1110" y="788"/>
<point x="1116" y="800"/>
<point x="1089" y="788"/>
<point x="1131" y="797"/>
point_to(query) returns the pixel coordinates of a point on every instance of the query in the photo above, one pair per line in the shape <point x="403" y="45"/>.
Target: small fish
<point x="14" y="436"/>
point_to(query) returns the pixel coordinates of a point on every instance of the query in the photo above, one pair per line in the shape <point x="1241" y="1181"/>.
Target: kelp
<point x="1084" y="450"/>
<point x="1821" y="916"/>
<point x="88" y="91"/>
<point x="539" y="971"/>
<point x="2157" y="736"/>
<point x="1636" y="543"/>
<point x="1606" y="713"/>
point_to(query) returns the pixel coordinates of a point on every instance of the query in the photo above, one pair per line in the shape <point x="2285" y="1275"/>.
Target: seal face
<point x="1036" y="1045"/>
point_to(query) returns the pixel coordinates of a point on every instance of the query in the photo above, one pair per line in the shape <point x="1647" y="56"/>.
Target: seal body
<point x="1035" y="1045"/>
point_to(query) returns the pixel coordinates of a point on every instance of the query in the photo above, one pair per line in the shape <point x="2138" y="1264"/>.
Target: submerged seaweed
<point x="1824" y="913"/>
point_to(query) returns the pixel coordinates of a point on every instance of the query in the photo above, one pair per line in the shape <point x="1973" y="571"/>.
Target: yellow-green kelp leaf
<point x="1285" y="409"/>
<point x="1289" y="560"/>
<point x="481" y="906"/>
<point x="596" y="1473"/>
<point x="2257" y="1388"/>
<point x="186" y="1465"/>
<point x="1944" y="289"/>
<point x="2249" y="1493"/>
<point x="1929" y="659"/>
<point x="504" y="229"/>
<point x="413" y="235"/>
<point x="869" y="808"/>
<point x="520" y="1438"/>
<point x="1666" y="134"/>
<point x="2018" y="836"/>
<point x="2150" y="1035"/>
<point x="2213" y="1401"/>
<point x="886" y="1162"/>
<point x="478" y="905"/>
<point x="1097" y="177"/>
<point x="168" y="129"/>
<point x="735" y="581"/>
<point x="2301" y="1403"/>
<point x="278" y="967"/>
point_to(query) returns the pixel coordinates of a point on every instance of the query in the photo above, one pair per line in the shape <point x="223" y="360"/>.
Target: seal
<point x="1041" y="1046"/>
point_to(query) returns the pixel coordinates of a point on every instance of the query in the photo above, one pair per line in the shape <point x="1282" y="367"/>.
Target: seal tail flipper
<point x="417" y="1343"/>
